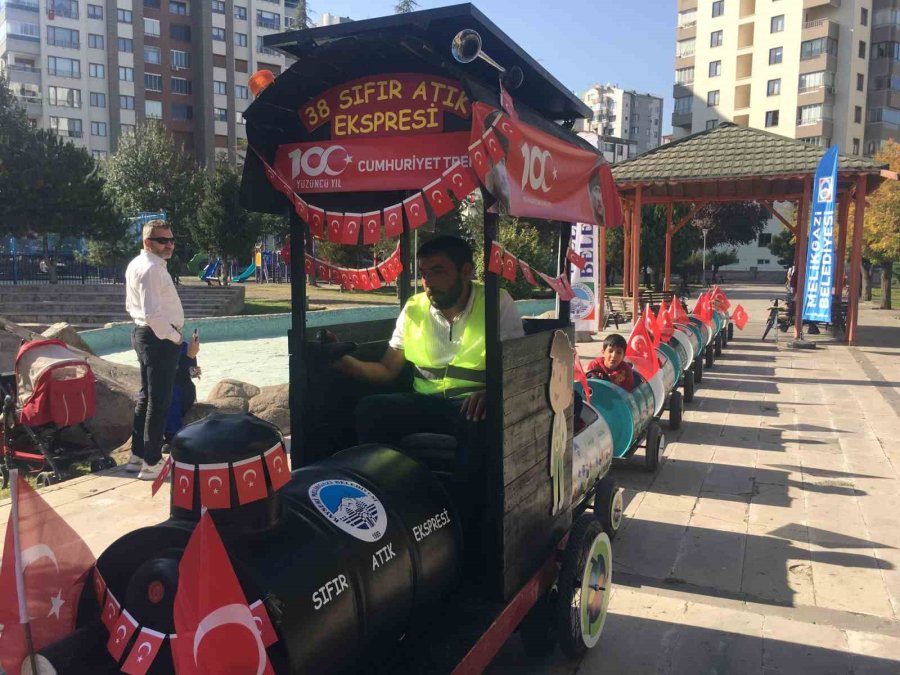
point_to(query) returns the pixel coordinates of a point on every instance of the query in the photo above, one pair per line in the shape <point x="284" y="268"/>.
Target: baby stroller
<point x="46" y="402"/>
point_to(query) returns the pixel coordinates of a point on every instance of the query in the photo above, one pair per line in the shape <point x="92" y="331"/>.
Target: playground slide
<point x="210" y="270"/>
<point x="246" y="274"/>
<point x="197" y="263"/>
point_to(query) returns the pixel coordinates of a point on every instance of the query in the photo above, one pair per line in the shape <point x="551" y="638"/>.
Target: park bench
<point x="655" y="298"/>
<point x="618" y="310"/>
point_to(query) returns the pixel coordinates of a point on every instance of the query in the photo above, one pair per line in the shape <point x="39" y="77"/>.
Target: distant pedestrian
<point x="153" y="303"/>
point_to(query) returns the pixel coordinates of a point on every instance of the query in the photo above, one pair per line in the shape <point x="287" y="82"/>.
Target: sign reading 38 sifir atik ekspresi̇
<point x="387" y="132"/>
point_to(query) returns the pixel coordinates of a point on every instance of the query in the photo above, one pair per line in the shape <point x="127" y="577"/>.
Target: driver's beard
<point x="446" y="299"/>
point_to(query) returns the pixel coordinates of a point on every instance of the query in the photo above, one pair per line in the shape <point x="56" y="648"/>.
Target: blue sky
<point x="626" y="42"/>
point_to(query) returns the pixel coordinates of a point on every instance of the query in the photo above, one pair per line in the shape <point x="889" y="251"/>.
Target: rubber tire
<point x="709" y="356"/>
<point x="698" y="370"/>
<point x="651" y="447"/>
<point x="4" y="476"/>
<point x="536" y="629"/>
<point x="687" y="384"/>
<point x="676" y="409"/>
<point x="609" y="506"/>
<point x="717" y="345"/>
<point x="568" y="627"/>
<point x="46" y="479"/>
<point x="724" y="335"/>
<point x="730" y="332"/>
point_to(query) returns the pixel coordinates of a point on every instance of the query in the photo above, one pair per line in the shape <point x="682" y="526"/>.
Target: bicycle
<point x="782" y="315"/>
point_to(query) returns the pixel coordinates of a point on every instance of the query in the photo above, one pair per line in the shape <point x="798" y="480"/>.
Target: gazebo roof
<point x="733" y="162"/>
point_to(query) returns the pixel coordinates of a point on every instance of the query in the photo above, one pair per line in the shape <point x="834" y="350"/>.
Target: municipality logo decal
<point x="826" y="189"/>
<point x="351" y="507"/>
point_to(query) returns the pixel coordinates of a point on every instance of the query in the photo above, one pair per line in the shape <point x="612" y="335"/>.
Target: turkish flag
<point x="460" y="180"/>
<point x="263" y="623"/>
<point x="568" y="293"/>
<point x="680" y="314"/>
<point x="215" y="486"/>
<point x="581" y="376"/>
<point x="507" y="102"/>
<point x="317" y="222"/>
<point x="492" y="143"/>
<point x="440" y="201"/>
<point x="335" y="222"/>
<point x="323" y="271"/>
<point x="144" y="652"/>
<point x="393" y="221"/>
<point x="652" y="326"/>
<point x="640" y="351"/>
<point x="50" y="563"/>
<point x="308" y="266"/>
<point x="99" y="584"/>
<point x="575" y="259"/>
<point x="374" y="280"/>
<point x="183" y="486"/>
<point x="362" y="280"/>
<point x="479" y="158"/>
<point x="215" y="627"/>
<point x="720" y="301"/>
<point x="740" y="317"/>
<point x="552" y="282"/>
<point x="509" y="265"/>
<point x="301" y="207"/>
<point x="703" y="309"/>
<point x="527" y="273"/>
<point x="161" y="478"/>
<point x="508" y="127"/>
<point x="120" y="634"/>
<point x="495" y="264"/>
<point x="416" y="215"/>
<point x="664" y="318"/>
<point x="371" y="227"/>
<point x="350" y="233"/>
<point x="250" y="481"/>
<point x="111" y="611"/>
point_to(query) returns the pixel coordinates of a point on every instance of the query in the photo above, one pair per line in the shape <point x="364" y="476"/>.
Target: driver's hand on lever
<point x="473" y="408"/>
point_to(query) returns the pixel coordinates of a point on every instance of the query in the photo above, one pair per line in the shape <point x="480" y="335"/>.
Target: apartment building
<point x="629" y="123"/>
<point x="91" y="72"/>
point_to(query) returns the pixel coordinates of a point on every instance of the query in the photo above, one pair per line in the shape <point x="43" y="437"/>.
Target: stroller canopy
<point x="45" y="367"/>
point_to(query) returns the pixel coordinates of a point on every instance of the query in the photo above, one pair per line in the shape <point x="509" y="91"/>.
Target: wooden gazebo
<point x="734" y="163"/>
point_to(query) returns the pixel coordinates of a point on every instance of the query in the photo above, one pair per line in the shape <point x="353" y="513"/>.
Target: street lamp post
<point x="705" y="232"/>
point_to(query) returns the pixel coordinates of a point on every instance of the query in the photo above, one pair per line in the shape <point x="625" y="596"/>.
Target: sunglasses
<point x="162" y="240"/>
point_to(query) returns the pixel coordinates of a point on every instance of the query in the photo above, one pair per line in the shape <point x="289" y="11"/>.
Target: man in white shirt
<point x="153" y="303"/>
<point x="441" y="332"/>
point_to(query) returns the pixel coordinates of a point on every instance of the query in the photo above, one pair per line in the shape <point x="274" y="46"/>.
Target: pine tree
<point x="405" y="6"/>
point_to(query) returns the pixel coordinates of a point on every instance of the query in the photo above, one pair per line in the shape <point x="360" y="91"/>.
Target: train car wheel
<point x="676" y="409"/>
<point x="724" y="334"/>
<point x="730" y="332"/>
<point x="718" y="345"/>
<point x="710" y="356"/>
<point x="688" y="385"/>
<point x="698" y="370"/>
<point x="609" y="504"/>
<point x="536" y="629"/>
<point x="651" y="451"/>
<point x="584" y="587"/>
<point x="4" y="476"/>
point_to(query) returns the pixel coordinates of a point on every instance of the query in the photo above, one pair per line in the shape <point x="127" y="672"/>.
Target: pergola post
<point x="667" y="270"/>
<point x="601" y="278"/>
<point x="626" y="251"/>
<point x="636" y="254"/>
<point x="856" y="259"/>
<point x="800" y="255"/>
<point x="841" y="254"/>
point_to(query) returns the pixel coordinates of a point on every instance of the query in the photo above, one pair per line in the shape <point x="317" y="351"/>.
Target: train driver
<point x="441" y="333"/>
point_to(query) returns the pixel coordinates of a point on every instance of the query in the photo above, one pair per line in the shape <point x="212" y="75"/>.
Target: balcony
<point x="65" y="44"/>
<point x="821" y="94"/>
<point x="811" y="4"/>
<point x="682" y="90"/>
<point x="20" y="68"/>
<point x="65" y="12"/>
<point x="824" y="61"/>
<point x="820" y="127"/>
<point x="682" y="119"/>
<point x="820" y="28"/>
<point x="71" y="74"/>
<point x="686" y="32"/>
<point x="272" y="24"/>
<point x="742" y="97"/>
<point x="27" y="5"/>
<point x="745" y="35"/>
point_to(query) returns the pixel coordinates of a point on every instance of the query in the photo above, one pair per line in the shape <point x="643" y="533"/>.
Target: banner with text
<point x="583" y="307"/>
<point x="820" y="253"/>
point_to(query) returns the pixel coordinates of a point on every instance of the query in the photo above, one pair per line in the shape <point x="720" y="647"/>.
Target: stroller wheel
<point x="47" y="478"/>
<point x="102" y="464"/>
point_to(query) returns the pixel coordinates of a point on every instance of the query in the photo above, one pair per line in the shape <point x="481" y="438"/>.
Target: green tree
<point x="302" y="20"/>
<point x="405" y="6"/>
<point x="222" y="226"/>
<point x="782" y="247"/>
<point x="731" y="223"/>
<point x="149" y="172"/>
<point x="881" y="233"/>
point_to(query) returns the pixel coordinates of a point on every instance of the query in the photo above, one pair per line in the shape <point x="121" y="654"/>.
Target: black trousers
<point x="386" y="418"/>
<point x="159" y="362"/>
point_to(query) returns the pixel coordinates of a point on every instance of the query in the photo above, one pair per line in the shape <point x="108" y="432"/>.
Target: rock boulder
<point x="271" y="404"/>
<point x="65" y="332"/>
<point x="233" y="388"/>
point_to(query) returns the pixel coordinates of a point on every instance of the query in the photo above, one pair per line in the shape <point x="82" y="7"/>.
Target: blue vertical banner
<point x="820" y="261"/>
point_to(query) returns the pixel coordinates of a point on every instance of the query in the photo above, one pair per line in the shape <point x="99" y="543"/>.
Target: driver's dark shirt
<point x="622" y="375"/>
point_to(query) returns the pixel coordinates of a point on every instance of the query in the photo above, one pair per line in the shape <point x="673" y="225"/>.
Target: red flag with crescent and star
<point x="111" y="610"/>
<point x="509" y="266"/>
<point x="308" y="267"/>
<point x="479" y="158"/>
<point x="436" y="193"/>
<point x="120" y="634"/>
<point x="492" y="143"/>
<point x="495" y="264"/>
<point x="371" y="227"/>
<point x="144" y="652"/>
<point x="335" y="226"/>
<point x="664" y="317"/>
<point x="161" y="478"/>
<point x="317" y="222"/>
<point x="99" y="584"/>
<point x="250" y="481"/>
<point x="301" y="207"/>
<point x="460" y="180"/>
<point x="264" y="623"/>
<point x="527" y="273"/>
<point x="416" y="215"/>
<point x="575" y="258"/>
<point x="276" y="460"/>
<point x="350" y="231"/>
<point x="640" y="351"/>
<point x="374" y="280"/>
<point x="45" y="567"/>
<point x="652" y="325"/>
<point x="720" y="301"/>
<point x="740" y="316"/>
<point x="393" y="220"/>
<point x="703" y="308"/>
<point x="215" y="486"/>
<point x="215" y="627"/>
<point x="183" y="486"/>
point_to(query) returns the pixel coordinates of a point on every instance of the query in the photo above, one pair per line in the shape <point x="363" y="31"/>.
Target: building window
<point x="862" y="49"/>
<point x="812" y="81"/>
<point x="773" y="87"/>
<point x="180" y="8"/>
<point x="860" y="82"/>
<point x="765" y="238"/>
<point x="715" y="68"/>
<point x="218" y="34"/>
<point x="712" y="98"/>
<point x="810" y="114"/>
<point x="95" y="41"/>
<point x="61" y="67"/>
<point x="711" y="124"/>
<point x="240" y="12"/>
<point x="776" y="25"/>
<point x="240" y="91"/>
<point x="715" y="38"/>
<point x="810" y="49"/>
<point x="126" y="74"/>
<point x="268" y="19"/>
<point x="180" y="59"/>
<point x="151" y="27"/>
<point x="124" y="15"/>
<point x="126" y="129"/>
<point x="684" y="48"/>
<point x="95" y="11"/>
<point x="97" y="70"/>
<point x="219" y="87"/>
<point x="181" y="86"/>
<point x="763" y="261"/>
<point x="682" y="104"/>
<point x="65" y="126"/>
<point x="687" y="18"/>
<point x="772" y="118"/>
<point x="180" y="31"/>
<point x="126" y="102"/>
<point x="98" y="99"/>
<point x="64" y="97"/>
<point x="240" y="39"/>
<point x="152" y="55"/>
<point x="153" y="109"/>
<point x="775" y="55"/>
<point x="871" y="148"/>
<point x="855" y="146"/>
<point x="885" y="50"/>
<point x="98" y="155"/>
<point x="98" y="128"/>
<point x="218" y="7"/>
<point x="220" y="114"/>
<point x="63" y="37"/>
<point x="152" y="82"/>
<point x="66" y="8"/>
<point x="125" y="45"/>
<point x="182" y="112"/>
<point x="153" y="4"/>
<point x="718" y="8"/>
<point x="864" y="16"/>
<point x="857" y="114"/>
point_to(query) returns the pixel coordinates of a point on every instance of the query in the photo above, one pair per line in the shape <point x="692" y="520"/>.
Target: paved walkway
<point x="768" y="541"/>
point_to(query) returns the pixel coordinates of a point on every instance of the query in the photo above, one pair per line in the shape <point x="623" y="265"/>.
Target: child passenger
<point x="611" y="364"/>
